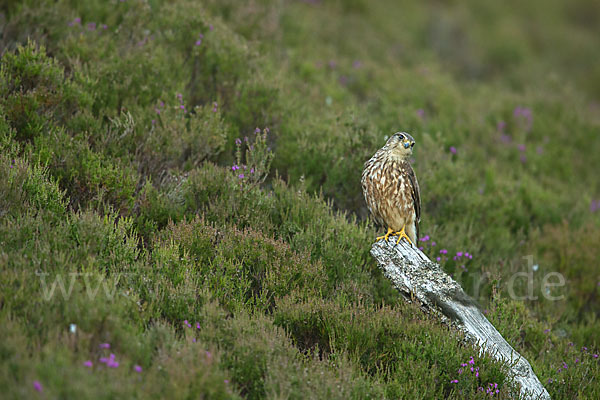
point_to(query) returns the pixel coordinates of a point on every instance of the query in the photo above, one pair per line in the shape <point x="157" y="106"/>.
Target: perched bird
<point x="391" y="189"/>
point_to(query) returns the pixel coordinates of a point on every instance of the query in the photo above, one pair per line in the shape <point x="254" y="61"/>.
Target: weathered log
<point x="417" y="277"/>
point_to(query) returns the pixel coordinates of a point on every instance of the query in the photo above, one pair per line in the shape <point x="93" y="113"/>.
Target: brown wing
<point x="371" y="190"/>
<point x="416" y="197"/>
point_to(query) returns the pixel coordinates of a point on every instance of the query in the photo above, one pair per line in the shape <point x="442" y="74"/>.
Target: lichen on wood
<point x="418" y="278"/>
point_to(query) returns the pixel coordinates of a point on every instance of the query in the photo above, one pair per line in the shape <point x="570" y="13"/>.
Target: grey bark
<point x="417" y="277"/>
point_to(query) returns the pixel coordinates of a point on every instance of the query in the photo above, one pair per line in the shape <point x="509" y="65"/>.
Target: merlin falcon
<point x="391" y="189"/>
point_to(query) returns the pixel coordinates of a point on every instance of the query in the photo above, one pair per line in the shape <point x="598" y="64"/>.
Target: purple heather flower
<point x="471" y="361"/>
<point x="571" y="344"/>
<point x="356" y="64"/>
<point x="523" y="158"/>
<point x="88" y="364"/>
<point x="241" y="176"/>
<point x="454" y="381"/>
<point x="459" y="254"/>
<point x="182" y="107"/>
<point x="539" y="150"/>
<point x="517" y="111"/>
<point x="104" y="26"/>
<point x="91" y="26"/>
<point x="201" y="36"/>
<point x="198" y="42"/>
<point x="215" y="105"/>
<point x="521" y="147"/>
<point x="105" y="345"/>
<point x="421" y="248"/>
<point x="584" y="349"/>
<point x="257" y="130"/>
<point x="109" y="361"/>
<point x="433" y="243"/>
<point x="595" y="355"/>
<point x="526" y="114"/>
<point x="550" y="380"/>
<point x="238" y="141"/>
<point x="438" y="259"/>
<point x="500" y="126"/>
<point x="153" y="122"/>
<point x="198" y="325"/>
<point x="194" y="340"/>
<point x="443" y="251"/>
<point x="37" y="386"/>
<point x="594" y="206"/>
<point x="565" y="366"/>
<point x="332" y="64"/>
<point x="453" y="150"/>
<point x="421" y="113"/>
<point x="137" y="368"/>
<point x="210" y="27"/>
<point x="208" y="354"/>
<point x="226" y="380"/>
<point x="546" y="331"/>
<point x="505" y="138"/>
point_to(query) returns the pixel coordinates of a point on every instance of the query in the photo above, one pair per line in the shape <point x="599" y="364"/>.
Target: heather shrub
<point x="35" y="93"/>
<point x="182" y="139"/>
<point x="182" y="214"/>
<point x="355" y="329"/>
<point x="24" y="188"/>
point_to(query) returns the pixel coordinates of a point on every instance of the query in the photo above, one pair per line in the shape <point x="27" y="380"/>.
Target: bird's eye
<point x="406" y="145"/>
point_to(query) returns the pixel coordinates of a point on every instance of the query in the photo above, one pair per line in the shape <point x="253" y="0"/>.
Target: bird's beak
<point x="412" y="144"/>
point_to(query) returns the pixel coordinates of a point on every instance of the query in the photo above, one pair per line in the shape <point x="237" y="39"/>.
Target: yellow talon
<point x="386" y="236"/>
<point x="402" y="234"/>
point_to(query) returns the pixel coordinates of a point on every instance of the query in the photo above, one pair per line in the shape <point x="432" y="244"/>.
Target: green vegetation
<point x="179" y="186"/>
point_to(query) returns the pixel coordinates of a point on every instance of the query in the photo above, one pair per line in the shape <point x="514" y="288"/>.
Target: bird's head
<point x="400" y="145"/>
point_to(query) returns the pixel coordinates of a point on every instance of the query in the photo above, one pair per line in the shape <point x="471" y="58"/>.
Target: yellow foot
<point x="386" y="236"/>
<point x="402" y="234"/>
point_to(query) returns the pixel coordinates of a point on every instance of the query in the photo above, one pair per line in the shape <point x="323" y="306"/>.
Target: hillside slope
<point x="181" y="213"/>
